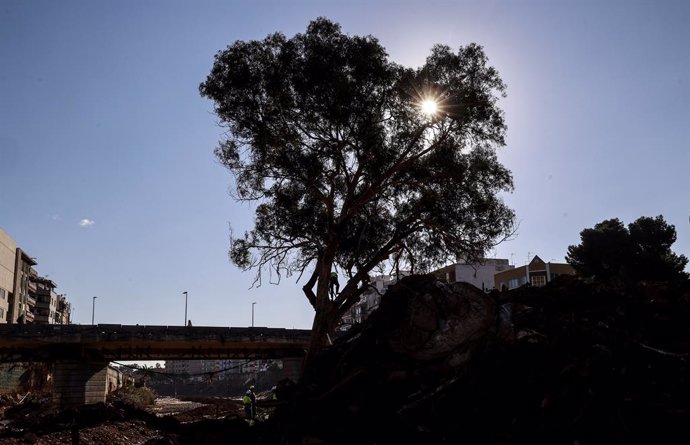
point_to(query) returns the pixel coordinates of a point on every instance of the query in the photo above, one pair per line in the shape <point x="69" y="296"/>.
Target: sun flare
<point x="429" y="107"/>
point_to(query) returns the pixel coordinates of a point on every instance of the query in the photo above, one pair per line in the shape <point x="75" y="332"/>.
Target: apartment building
<point x="537" y="273"/>
<point x="63" y="312"/>
<point x="22" y="304"/>
<point x="8" y="252"/>
<point x="25" y="297"/>
<point x="50" y="307"/>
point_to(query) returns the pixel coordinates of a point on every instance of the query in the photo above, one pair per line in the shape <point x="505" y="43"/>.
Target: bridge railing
<point x="122" y="342"/>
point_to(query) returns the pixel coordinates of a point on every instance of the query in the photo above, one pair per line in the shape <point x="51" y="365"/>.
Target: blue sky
<point x="107" y="174"/>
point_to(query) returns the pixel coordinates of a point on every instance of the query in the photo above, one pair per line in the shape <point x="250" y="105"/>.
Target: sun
<point x="429" y="107"/>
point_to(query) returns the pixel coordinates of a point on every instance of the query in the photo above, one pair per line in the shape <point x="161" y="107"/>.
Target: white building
<point x="480" y="274"/>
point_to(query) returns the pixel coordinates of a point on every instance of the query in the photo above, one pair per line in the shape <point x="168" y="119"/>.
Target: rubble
<point x="569" y="363"/>
<point x="566" y="363"/>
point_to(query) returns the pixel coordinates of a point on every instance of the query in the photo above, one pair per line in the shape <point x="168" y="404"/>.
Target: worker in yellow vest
<point x="247" y="402"/>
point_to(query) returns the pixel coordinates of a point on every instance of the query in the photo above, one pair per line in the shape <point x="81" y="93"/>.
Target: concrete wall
<point x="10" y="374"/>
<point x="8" y="252"/>
<point x="78" y="383"/>
<point x="21" y="377"/>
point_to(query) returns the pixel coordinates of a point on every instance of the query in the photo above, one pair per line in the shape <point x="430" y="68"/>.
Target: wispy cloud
<point x="87" y="222"/>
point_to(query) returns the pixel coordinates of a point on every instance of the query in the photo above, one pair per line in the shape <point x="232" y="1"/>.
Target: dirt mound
<point x="567" y="363"/>
<point x="121" y="423"/>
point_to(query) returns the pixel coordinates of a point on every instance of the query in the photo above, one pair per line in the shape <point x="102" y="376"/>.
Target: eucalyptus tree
<point x="355" y="163"/>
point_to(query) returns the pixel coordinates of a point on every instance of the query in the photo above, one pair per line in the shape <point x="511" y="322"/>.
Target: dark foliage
<point x="610" y="253"/>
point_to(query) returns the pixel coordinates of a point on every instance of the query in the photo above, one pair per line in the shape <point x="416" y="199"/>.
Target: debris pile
<point x="566" y="363"/>
<point x="569" y="363"/>
<point x="124" y="423"/>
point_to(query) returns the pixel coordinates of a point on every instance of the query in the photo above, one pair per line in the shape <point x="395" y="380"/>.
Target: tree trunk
<point x="325" y="321"/>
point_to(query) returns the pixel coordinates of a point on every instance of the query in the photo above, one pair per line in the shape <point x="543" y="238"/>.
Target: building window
<point x="2" y="314"/>
<point x="513" y="283"/>
<point x="538" y="281"/>
<point x="2" y="294"/>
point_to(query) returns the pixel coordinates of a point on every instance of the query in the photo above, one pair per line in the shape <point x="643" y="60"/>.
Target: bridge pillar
<point x="79" y="382"/>
<point x="292" y="368"/>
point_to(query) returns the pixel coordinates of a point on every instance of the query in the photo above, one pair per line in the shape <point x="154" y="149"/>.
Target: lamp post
<point x="253" y="313"/>
<point x="185" y="308"/>
<point x="93" y="309"/>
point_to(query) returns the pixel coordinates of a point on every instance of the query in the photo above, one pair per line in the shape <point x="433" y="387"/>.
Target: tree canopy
<point x="613" y="254"/>
<point x="328" y="138"/>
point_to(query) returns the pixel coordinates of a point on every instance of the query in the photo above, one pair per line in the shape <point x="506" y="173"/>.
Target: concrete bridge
<point x="81" y="353"/>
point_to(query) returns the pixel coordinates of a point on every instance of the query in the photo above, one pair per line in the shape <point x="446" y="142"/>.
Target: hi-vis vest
<point x="246" y="400"/>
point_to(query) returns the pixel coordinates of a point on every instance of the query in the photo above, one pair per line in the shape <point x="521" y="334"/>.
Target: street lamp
<point x="93" y="309"/>
<point x="253" y="313"/>
<point x="185" y="308"/>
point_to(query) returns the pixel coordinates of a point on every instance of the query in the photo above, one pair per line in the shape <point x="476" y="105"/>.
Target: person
<point x="252" y="396"/>
<point x="335" y="286"/>
<point x="274" y="396"/>
<point x="247" y="402"/>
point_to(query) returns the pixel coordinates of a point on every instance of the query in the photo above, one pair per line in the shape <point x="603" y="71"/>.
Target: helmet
<point x="274" y="388"/>
<point x="251" y="387"/>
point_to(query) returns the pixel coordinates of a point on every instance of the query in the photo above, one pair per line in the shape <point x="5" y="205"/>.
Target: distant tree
<point x="652" y="239"/>
<point x="611" y="253"/>
<point x="328" y="138"/>
<point x="600" y="255"/>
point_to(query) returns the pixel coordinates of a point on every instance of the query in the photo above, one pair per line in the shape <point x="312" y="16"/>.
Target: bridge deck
<point x="121" y="342"/>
